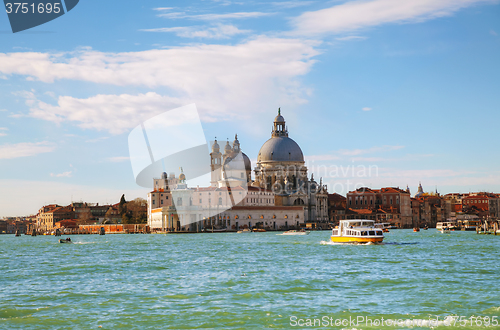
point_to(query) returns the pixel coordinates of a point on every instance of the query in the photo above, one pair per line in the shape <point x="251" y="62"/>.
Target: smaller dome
<point x="279" y="119"/>
<point x="215" y="146"/>
<point x="164" y="175"/>
<point x="227" y="148"/>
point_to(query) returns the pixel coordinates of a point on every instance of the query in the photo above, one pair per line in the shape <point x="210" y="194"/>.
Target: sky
<point x="377" y="93"/>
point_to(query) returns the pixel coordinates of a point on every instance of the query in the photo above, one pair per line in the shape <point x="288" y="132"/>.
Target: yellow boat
<point x="357" y="231"/>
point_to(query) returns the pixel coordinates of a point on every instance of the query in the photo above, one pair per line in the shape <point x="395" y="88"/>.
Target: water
<point x="259" y="280"/>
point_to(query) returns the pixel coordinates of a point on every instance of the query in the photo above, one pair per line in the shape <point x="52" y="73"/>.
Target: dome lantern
<point x="279" y="125"/>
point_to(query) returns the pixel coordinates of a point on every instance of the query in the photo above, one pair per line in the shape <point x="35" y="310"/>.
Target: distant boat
<point x="67" y="240"/>
<point x="259" y="230"/>
<point x="223" y="230"/>
<point x="244" y="231"/>
<point x="416" y="229"/>
<point x="445" y="230"/>
<point x="295" y="232"/>
<point x="451" y="225"/>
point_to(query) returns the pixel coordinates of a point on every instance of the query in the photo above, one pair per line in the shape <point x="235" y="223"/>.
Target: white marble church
<point x="280" y="197"/>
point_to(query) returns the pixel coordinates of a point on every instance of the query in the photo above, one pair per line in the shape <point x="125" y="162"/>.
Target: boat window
<point x="379" y="233"/>
<point x="372" y="233"/>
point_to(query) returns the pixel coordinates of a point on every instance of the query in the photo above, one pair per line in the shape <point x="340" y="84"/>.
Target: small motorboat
<point x="295" y="232"/>
<point x="445" y="230"/>
<point x="67" y="240"/>
<point x="416" y="229"/>
<point x="244" y="231"/>
<point x="259" y="230"/>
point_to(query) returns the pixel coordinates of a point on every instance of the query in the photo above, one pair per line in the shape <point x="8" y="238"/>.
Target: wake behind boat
<point x="357" y="231"/>
<point x="295" y="232"/>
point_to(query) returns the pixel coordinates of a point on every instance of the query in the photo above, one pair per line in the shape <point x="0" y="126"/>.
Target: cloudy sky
<point x="376" y="93"/>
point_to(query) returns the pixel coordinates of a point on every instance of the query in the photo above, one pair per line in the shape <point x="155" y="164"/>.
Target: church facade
<point x="280" y="197"/>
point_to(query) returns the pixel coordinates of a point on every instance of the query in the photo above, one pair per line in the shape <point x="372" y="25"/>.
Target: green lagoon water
<point x="246" y="281"/>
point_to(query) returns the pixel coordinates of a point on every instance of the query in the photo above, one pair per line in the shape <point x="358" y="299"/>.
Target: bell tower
<point x="215" y="163"/>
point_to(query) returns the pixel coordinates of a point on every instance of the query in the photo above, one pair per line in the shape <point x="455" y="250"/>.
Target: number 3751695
<point x="25" y="8"/>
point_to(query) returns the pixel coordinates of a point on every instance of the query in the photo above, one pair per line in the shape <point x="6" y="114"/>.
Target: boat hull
<point x="348" y="239"/>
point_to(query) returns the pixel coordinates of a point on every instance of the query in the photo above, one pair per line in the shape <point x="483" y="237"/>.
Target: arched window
<point x="220" y="200"/>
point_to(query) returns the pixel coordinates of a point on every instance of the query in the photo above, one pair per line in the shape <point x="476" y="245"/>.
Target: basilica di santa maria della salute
<point x="280" y="197"/>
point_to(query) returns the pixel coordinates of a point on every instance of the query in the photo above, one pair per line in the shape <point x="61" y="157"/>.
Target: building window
<point x="162" y="201"/>
<point x="179" y="201"/>
<point x="154" y="202"/>
<point x="200" y="200"/>
<point x="220" y="200"/>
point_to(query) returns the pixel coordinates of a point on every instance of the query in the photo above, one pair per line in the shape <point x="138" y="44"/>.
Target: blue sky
<point x="410" y="89"/>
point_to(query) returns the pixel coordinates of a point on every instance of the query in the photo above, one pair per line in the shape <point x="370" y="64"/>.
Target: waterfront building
<point x="388" y="204"/>
<point x="48" y="215"/>
<point x="3" y="227"/>
<point x="281" y="197"/>
<point x="336" y="208"/>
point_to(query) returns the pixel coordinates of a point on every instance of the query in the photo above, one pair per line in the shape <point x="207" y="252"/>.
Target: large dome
<point x="280" y="149"/>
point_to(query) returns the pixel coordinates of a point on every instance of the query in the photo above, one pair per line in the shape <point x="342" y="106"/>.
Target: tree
<point x="136" y="211"/>
<point x="122" y="207"/>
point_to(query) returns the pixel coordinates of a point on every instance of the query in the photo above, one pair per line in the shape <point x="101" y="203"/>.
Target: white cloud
<point x="221" y="31"/>
<point x="62" y="175"/>
<point x="2" y="131"/>
<point x="24" y="149"/>
<point x="113" y="113"/>
<point x="163" y="8"/>
<point x="215" y="17"/>
<point x="51" y="94"/>
<point x="347" y="38"/>
<point x="3" y="110"/>
<point x="224" y="81"/>
<point x="366" y="109"/>
<point x="355" y="15"/>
